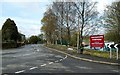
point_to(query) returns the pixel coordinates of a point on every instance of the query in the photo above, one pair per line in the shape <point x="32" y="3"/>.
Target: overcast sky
<point x="27" y="14"/>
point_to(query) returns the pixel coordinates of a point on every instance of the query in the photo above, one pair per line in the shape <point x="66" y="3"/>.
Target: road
<point x="38" y="59"/>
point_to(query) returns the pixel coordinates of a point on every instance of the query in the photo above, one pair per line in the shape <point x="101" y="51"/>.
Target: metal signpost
<point x="110" y="50"/>
<point x="115" y="46"/>
<point x="116" y="50"/>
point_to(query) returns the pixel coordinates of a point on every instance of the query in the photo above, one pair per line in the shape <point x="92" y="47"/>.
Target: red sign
<point x="97" y="41"/>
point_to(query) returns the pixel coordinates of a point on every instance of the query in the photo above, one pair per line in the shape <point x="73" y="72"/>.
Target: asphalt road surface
<point x="38" y="59"/>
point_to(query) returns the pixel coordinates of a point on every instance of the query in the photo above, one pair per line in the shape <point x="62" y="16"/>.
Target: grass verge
<point x="85" y="52"/>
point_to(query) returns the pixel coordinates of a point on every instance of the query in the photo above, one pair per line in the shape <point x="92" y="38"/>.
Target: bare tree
<point x="66" y="17"/>
<point x="69" y="20"/>
<point x="86" y="14"/>
<point x="58" y="9"/>
<point x="71" y="16"/>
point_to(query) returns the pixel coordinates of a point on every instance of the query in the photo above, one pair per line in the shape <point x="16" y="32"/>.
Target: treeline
<point x="67" y="23"/>
<point x="36" y="39"/>
<point x="112" y="22"/>
<point x="70" y="22"/>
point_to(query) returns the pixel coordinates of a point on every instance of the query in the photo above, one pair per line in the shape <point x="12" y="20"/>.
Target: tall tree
<point x="65" y="12"/>
<point x="49" y="25"/>
<point x="33" y="40"/>
<point x="71" y="16"/>
<point x="9" y="31"/>
<point x="58" y="10"/>
<point x="87" y="13"/>
<point x="112" y="22"/>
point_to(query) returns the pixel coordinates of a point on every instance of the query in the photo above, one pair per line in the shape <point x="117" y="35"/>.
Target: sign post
<point x="97" y="41"/>
<point x="116" y="51"/>
<point x="110" y="50"/>
<point x="113" y="46"/>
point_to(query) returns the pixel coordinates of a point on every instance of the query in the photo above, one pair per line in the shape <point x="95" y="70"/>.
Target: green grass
<point x="59" y="47"/>
<point x="86" y="51"/>
<point x="100" y="53"/>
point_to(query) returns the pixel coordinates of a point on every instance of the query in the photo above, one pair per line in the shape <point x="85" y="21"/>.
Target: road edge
<point x="84" y="59"/>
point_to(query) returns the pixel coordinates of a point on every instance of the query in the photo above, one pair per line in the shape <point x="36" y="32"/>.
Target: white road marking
<point x="38" y="50"/>
<point x="115" y="70"/>
<point x="65" y="56"/>
<point x="58" y="56"/>
<point x="43" y="65"/>
<point x="85" y="68"/>
<point x="27" y="54"/>
<point x="56" y="61"/>
<point x="50" y="62"/>
<point x="20" y="71"/>
<point x="61" y="59"/>
<point x="33" y="68"/>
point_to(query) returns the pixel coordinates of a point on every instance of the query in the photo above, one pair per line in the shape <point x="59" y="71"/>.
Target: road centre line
<point x="38" y="50"/>
<point x="43" y="65"/>
<point x="66" y="56"/>
<point x="33" y="68"/>
<point x="28" y="54"/>
<point x="50" y="62"/>
<point x="61" y="59"/>
<point x="115" y="70"/>
<point x="56" y="61"/>
<point x="20" y="71"/>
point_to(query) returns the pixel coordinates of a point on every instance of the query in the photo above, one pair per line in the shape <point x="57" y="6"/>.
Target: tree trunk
<point x="81" y="34"/>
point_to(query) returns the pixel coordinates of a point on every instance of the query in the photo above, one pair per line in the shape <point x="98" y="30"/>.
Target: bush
<point x="11" y="44"/>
